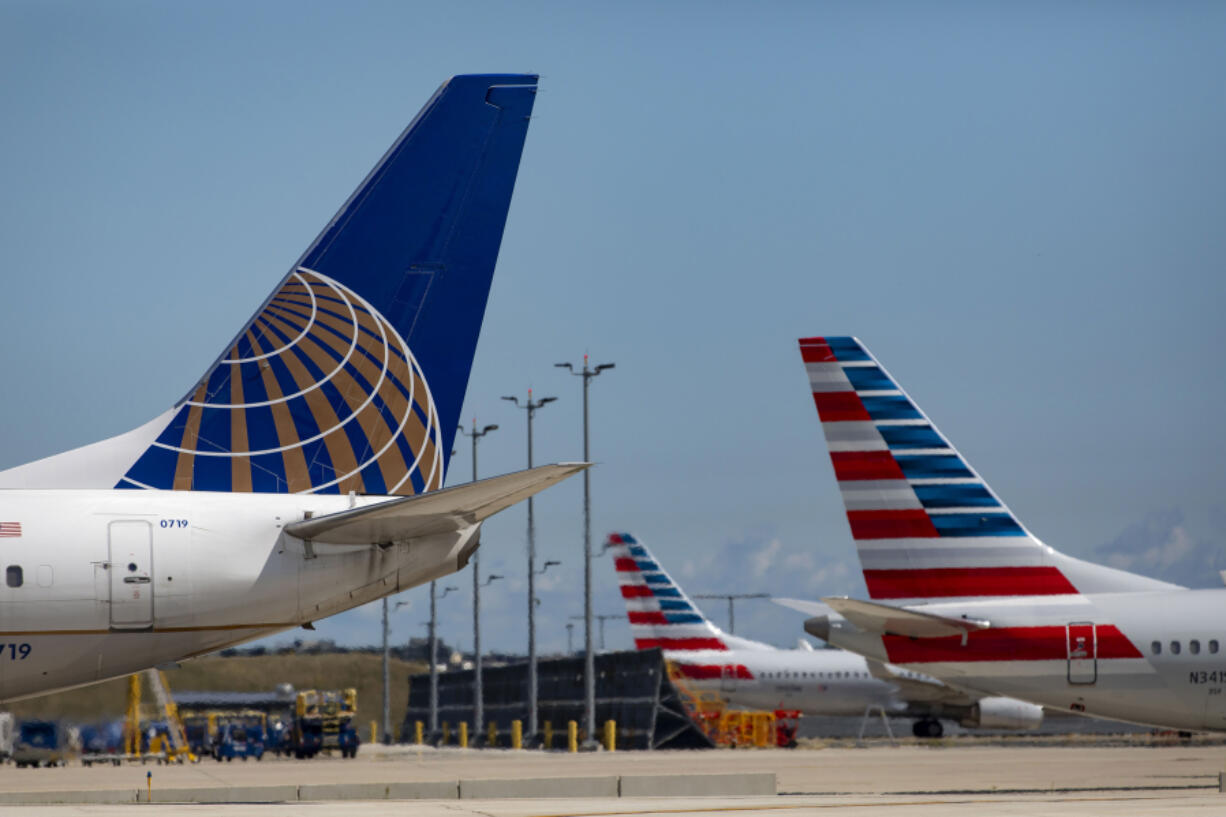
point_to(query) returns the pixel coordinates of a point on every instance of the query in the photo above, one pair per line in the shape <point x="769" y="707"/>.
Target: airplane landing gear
<point x="927" y="728"/>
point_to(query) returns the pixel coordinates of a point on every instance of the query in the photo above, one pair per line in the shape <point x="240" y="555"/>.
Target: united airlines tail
<point x="350" y="376"/>
<point x="660" y="613"/>
<point x="927" y="527"/>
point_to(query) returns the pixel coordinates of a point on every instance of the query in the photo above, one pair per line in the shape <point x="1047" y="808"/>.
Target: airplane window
<point x="1174" y="648"/>
<point x="1156" y="648"/>
<point x="12" y="576"/>
<point x="1194" y="647"/>
<point x="1213" y="645"/>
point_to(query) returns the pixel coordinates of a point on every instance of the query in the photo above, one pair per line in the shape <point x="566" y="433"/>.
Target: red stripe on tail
<point x="857" y="465"/>
<point x="906" y="524"/>
<point x="948" y="582"/>
<point x="625" y="565"/>
<point x="647" y="617"/>
<point x="836" y="406"/>
<point x="635" y="591"/>
<point x="816" y="350"/>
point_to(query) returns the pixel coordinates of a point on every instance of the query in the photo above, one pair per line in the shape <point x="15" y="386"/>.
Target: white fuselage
<point x="99" y="584"/>
<point x="1156" y="657"/>
<point x="816" y="682"/>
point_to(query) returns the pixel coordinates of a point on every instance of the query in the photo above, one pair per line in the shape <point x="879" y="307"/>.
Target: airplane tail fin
<point x="351" y="375"/>
<point x="660" y="613"/>
<point x="926" y="525"/>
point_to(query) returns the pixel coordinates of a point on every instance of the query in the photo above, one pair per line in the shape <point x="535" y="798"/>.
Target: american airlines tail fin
<point x="350" y="376"/>
<point x="927" y="527"/>
<point x="660" y="613"/>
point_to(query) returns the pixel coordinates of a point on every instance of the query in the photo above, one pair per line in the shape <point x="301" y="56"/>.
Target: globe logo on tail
<point x="319" y="393"/>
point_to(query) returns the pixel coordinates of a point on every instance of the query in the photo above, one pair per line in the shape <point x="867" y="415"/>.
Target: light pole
<point x="570" y="632"/>
<point x="530" y="407"/>
<point x="387" y="674"/>
<point x="434" y="658"/>
<point x="478" y="689"/>
<point x="589" y="661"/>
<point x="731" y="597"/>
<point x="603" y="617"/>
<point x="478" y="702"/>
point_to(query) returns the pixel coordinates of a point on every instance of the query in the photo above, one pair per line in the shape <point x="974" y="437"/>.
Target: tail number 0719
<point x="15" y="652"/>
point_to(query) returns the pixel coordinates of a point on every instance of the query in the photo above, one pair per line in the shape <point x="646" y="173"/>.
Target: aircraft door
<point x="727" y="678"/>
<point x="131" y="568"/>
<point x="1082" y="653"/>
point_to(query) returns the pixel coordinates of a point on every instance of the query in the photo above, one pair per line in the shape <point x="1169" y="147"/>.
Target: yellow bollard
<point x="491" y="735"/>
<point x="572" y="736"/>
<point x="548" y="734"/>
<point x="610" y="735"/>
<point x="419" y="729"/>
<point x="446" y="733"/>
<point x="463" y="734"/>
<point x="374" y="731"/>
<point x="517" y="734"/>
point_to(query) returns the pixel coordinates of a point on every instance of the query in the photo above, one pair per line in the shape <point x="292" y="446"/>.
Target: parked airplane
<point x="964" y="592"/>
<point x="302" y="474"/>
<point x="753" y="675"/>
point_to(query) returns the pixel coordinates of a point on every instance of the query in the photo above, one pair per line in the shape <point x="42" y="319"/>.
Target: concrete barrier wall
<point x="100" y="796"/>
<point x="228" y="794"/>
<point x="424" y="790"/>
<point x="697" y="785"/>
<point x="612" y="786"/>
<point x="540" y="787"/>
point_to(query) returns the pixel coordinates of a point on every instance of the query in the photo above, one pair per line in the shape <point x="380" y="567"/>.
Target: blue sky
<point x="1017" y="207"/>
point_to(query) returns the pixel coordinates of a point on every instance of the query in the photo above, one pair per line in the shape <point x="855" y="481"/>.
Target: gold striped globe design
<point x="328" y="388"/>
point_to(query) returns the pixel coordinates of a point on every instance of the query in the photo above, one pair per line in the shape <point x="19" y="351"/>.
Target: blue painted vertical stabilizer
<point x="350" y="377"/>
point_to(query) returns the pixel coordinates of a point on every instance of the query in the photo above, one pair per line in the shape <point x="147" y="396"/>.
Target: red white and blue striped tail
<point x="660" y="613"/>
<point x="927" y="527"/>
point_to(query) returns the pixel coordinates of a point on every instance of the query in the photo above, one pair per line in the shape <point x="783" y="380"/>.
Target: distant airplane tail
<point x="927" y="527"/>
<point x="351" y="375"/>
<point x="660" y="613"/>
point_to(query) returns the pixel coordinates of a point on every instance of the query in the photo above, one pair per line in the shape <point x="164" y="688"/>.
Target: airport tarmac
<point x="944" y="778"/>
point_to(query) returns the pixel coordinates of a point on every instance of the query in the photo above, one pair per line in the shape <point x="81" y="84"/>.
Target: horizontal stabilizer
<point x="918" y="688"/>
<point x="436" y="512"/>
<point x="882" y="618"/>
<point x="809" y="608"/>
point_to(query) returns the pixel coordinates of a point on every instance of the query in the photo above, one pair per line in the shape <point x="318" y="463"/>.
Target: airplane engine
<point x="1003" y="713"/>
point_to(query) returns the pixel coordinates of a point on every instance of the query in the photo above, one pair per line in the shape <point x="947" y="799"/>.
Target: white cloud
<point x="764" y="559"/>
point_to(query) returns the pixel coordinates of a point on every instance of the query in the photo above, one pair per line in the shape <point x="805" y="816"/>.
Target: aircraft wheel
<point x="927" y="728"/>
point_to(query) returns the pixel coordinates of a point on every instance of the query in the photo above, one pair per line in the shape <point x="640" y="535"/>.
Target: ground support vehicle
<point x="41" y="743"/>
<point x="242" y="736"/>
<point x="324" y="720"/>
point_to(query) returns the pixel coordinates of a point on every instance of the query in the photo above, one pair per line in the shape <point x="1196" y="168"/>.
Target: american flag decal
<point x="10" y="529"/>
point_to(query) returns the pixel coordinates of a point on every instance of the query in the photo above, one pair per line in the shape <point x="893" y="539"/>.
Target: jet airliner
<point x="962" y="591"/>
<point x="302" y="474"/>
<point x="749" y="674"/>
